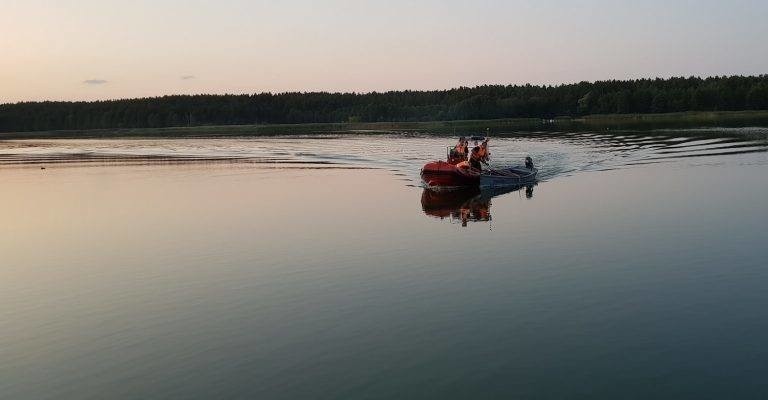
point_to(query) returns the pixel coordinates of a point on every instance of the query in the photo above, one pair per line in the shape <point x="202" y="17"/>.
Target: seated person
<point x="459" y="152"/>
<point x="528" y="162"/>
<point x="462" y="147"/>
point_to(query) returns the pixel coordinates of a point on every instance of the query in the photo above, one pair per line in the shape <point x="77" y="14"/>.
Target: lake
<point x="318" y="267"/>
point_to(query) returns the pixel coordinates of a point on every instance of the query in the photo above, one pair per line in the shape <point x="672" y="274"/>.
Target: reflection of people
<point x="468" y="205"/>
<point x="529" y="192"/>
<point x="465" y="214"/>
<point x="484" y="212"/>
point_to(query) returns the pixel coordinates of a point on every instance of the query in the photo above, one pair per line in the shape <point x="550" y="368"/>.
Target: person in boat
<point x="479" y="156"/>
<point x="459" y="152"/>
<point x="461" y="147"/>
<point x="528" y="162"/>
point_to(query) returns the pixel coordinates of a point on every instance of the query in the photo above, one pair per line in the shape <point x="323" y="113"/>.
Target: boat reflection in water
<point x="467" y="205"/>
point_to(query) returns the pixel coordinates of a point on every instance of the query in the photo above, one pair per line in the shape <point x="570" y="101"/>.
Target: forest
<point x="729" y="93"/>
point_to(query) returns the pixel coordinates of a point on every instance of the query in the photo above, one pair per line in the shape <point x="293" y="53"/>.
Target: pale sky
<point x="89" y="49"/>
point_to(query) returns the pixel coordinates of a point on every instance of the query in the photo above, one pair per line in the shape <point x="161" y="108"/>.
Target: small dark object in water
<point x="42" y="167"/>
<point x="528" y="162"/>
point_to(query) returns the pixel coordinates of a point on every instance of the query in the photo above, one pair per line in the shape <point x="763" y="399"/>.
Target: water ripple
<point x="556" y="153"/>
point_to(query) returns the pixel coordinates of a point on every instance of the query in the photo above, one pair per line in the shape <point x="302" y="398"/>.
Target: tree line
<point x="480" y="102"/>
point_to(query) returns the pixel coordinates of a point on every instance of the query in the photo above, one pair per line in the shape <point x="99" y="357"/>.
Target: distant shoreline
<point x="629" y="122"/>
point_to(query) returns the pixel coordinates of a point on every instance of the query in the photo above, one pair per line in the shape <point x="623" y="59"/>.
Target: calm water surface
<point x="284" y="268"/>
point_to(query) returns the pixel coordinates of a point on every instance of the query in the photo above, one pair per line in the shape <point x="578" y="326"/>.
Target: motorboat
<point x="456" y="173"/>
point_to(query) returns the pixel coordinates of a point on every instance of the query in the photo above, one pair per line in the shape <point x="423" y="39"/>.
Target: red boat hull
<point x="440" y="174"/>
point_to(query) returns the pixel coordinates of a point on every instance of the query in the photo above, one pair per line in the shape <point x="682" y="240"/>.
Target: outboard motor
<point x="528" y="162"/>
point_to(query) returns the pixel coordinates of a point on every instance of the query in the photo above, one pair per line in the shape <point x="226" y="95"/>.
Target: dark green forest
<point x="463" y="103"/>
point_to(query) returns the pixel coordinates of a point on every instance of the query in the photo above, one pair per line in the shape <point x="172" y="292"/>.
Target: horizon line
<point x="367" y="92"/>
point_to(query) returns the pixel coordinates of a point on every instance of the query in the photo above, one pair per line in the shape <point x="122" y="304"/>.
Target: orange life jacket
<point x="479" y="154"/>
<point x="484" y="150"/>
<point x="461" y="148"/>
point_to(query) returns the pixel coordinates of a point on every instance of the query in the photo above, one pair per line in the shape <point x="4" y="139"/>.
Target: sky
<point x="88" y="49"/>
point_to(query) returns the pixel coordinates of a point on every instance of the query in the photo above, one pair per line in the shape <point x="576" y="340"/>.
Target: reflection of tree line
<point x="470" y="205"/>
<point x="464" y="103"/>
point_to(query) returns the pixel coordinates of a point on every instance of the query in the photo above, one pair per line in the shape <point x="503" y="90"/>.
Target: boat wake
<point x="556" y="154"/>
